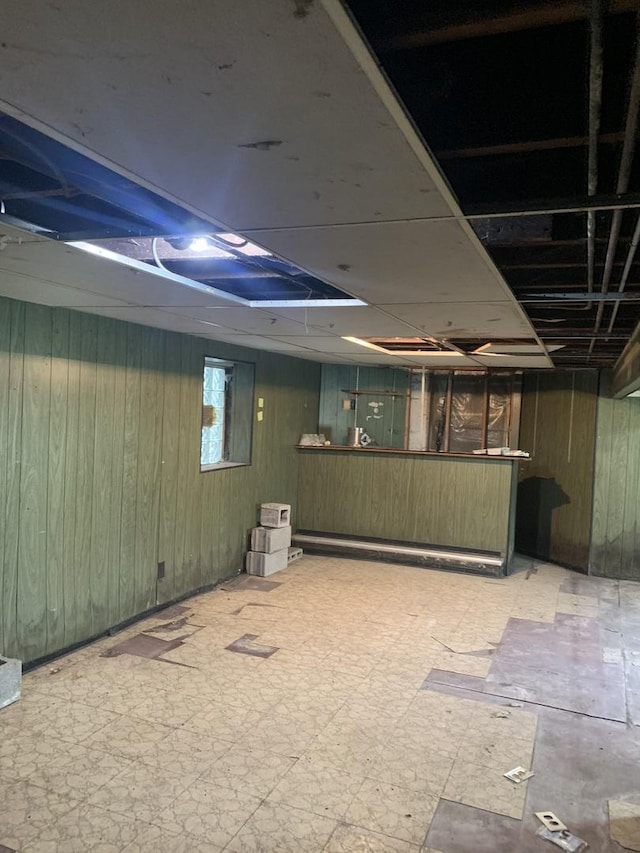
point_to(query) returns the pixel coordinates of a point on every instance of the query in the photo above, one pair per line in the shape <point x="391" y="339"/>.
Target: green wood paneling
<point x="433" y="500"/>
<point x="557" y="426"/>
<point x="5" y="368"/>
<point x="384" y="424"/>
<point x="100" y="471"/>
<point x="13" y="432"/>
<point x="87" y="476"/>
<point x="615" y="546"/>
<point x="32" y="521"/>
<point x="56" y="478"/>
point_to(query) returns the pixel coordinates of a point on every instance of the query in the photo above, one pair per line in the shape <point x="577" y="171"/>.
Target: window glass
<point x="227" y="414"/>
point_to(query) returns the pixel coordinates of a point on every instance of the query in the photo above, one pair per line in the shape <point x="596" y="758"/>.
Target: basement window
<point x="457" y="411"/>
<point x="227" y="414"/>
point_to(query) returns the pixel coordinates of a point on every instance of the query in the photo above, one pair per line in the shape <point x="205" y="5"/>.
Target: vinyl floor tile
<point x="322" y="790"/>
<point x="392" y="810"/>
<point x="354" y="839"/>
<point x="275" y="828"/>
<point x="210" y="812"/>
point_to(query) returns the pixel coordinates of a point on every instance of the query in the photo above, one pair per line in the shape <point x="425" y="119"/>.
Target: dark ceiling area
<point x="531" y="111"/>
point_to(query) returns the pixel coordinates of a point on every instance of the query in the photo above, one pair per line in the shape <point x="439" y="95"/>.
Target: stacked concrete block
<point x="275" y="515"/>
<point x="270" y="543"/>
<point x="10" y="680"/>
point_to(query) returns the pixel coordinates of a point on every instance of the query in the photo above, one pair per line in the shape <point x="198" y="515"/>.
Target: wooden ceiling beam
<point x="526" y="147"/>
<point x="477" y="25"/>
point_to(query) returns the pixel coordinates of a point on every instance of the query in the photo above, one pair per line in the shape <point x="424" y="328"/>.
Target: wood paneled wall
<point x="615" y="543"/>
<point x="386" y="426"/>
<point x="100" y="473"/>
<point x="435" y="500"/>
<point x="557" y="425"/>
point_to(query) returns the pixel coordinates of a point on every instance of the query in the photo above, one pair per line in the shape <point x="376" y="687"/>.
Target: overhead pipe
<point x="595" y="110"/>
<point x="625" y="272"/>
<point x="624" y="173"/>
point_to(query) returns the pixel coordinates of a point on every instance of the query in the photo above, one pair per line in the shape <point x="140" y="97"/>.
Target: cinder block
<point x="10" y="680"/>
<point x="264" y="565"/>
<point x="293" y="554"/>
<point x="275" y="515"/>
<point x="270" y="539"/>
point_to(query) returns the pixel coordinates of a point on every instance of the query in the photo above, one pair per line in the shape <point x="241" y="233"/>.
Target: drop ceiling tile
<point x="361" y="321"/>
<point x="272" y="120"/>
<point x="447" y="362"/>
<point x="322" y="343"/>
<point x="257" y="342"/>
<point x="395" y="261"/>
<point x="160" y="319"/>
<point x="248" y="320"/>
<point x="62" y="264"/>
<point x="13" y="234"/>
<point x="532" y="361"/>
<point x="30" y="289"/>
<point x="490" y="320"/>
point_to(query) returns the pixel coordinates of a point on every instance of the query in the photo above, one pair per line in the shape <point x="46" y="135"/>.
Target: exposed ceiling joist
<point x="478" y="24"/>
<point x="526" y="147"/>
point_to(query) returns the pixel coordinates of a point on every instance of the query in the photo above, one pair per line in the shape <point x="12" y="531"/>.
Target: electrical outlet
<point x="160" y="574"/>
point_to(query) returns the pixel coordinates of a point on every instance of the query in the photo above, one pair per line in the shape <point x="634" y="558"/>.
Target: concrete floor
<point x="339" y="706"/>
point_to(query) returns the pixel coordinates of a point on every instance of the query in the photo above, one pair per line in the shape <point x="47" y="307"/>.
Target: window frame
<point x="239" y="405"/>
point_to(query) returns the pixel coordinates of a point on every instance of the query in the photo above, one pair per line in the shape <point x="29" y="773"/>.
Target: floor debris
<point x="551" y="821"/>
<point x="519" y="774"/>
<point x="502" y="715"/>
<point x="624" y="822"/>
<point x="563" y="839"/>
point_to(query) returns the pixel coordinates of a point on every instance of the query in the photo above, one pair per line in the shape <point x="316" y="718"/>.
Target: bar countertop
<point x="483" y="457"/>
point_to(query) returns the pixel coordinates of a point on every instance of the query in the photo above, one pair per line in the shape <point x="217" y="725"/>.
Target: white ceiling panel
<point x="324" y="344"/>
<point x="20" y="286"/>
<point x="356" y="322"/>
<point x="490" y="320"/>
<point x="255" y="342"/>
<point x="497" y="361"/>
<point x="251" y="113"/>
<point x="450" y="361"/>
<point x="268" y="117"/>
<point x="9" y="234"/>
<point x="160" y="319"/>
<point x="248" y="320"/>
<point x="395" y="261"/>
<point x="56" y="262"/>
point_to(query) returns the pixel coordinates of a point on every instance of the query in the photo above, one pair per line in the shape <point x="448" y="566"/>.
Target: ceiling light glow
<point x="199" y="244"/>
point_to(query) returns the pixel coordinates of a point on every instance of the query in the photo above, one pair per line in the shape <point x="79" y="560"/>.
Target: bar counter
<point x="445" y="500"/>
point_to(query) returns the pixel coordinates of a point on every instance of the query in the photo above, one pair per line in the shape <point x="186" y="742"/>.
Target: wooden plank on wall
<point x="629" y="557"/>
<point x="84" y="557"/>
<point x="188" y="464"/>
<point x="602" y="485"/>
<point x="55" y="571"/>
<point x="128" y="520"/>
<point x="5" y="364"/>
<point x="32" y="550"/>
<point x="616" y="515"/>
<point x="171" y="413"/>
<point x="103" y="465"/>
<point x="149" y="461"/>
<point x="9" y="605"/>
<point x="618" y="462"/>
<point x="117" y="470"/>
<point x="555" y="493"/>
<point x="74" y="352"/>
